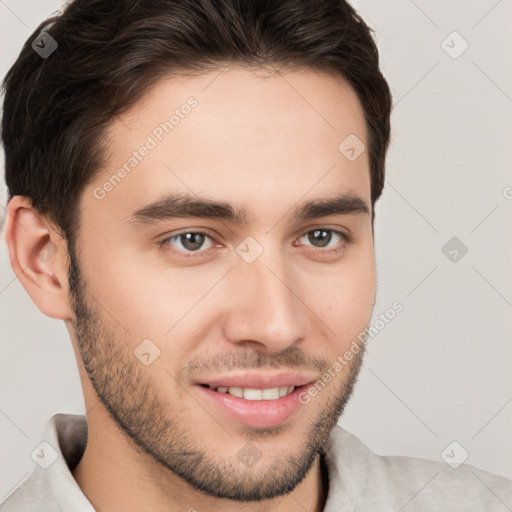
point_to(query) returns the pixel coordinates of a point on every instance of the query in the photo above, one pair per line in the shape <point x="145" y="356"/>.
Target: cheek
<point x="123" y="288"/>
<point x="151" y="300"/>
<point x="148" y="299"/>
<point x="345" y="300"/>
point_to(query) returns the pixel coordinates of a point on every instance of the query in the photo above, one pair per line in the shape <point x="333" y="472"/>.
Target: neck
<point x="116" y="475"/>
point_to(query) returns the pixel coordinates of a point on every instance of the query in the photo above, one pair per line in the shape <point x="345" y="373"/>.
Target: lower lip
<point x="254" y="413"/>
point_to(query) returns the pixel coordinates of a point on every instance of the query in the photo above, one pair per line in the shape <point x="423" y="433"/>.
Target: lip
<point x="259" y="380"/>
<point x="253" y="413"/>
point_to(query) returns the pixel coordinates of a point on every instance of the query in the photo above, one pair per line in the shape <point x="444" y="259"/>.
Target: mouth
<point x="254" y="393"/>
<point x="255" y="403"/>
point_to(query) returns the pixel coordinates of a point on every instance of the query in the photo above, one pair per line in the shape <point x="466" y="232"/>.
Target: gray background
<point x="440" y="371"/>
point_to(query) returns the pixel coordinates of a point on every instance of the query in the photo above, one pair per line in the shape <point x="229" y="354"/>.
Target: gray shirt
<point x="359" y="480"/>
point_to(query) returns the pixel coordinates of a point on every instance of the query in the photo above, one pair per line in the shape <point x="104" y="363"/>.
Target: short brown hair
<point x="56" y="109"/>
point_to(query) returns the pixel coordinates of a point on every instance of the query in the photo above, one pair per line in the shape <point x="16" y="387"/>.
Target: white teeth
<point x="270" y="394"/>
<point x="253" y="394"/>
<point x="256" y="394"/>
<point x="239" y="392"/>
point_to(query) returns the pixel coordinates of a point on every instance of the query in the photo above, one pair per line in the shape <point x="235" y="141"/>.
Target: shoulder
<point x="33" y="494"/>
<point x="360" y="476"/>
<point x="51" y="486"/>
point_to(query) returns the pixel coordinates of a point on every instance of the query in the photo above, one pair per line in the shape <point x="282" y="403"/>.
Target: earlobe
<point x="38" y="256"/>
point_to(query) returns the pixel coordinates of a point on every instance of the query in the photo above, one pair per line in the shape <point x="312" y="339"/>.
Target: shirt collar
<point x="66" y="437"/>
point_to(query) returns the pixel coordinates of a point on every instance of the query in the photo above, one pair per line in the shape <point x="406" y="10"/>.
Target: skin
<point x="255" y="141"/>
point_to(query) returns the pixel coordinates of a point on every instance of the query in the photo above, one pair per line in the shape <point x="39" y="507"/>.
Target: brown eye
<point x="322" y="237"/>
<point x="190" y="241"/>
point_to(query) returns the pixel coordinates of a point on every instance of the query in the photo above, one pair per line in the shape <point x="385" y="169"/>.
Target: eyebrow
<point x="183" y="205"/>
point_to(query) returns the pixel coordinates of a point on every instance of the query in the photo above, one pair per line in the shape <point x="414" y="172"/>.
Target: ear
<point x="39" y="257"/>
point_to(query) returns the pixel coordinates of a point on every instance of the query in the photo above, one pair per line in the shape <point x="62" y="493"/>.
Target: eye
<point x="193" y="241"/>
<point x="321" y="237"/>
<point x="190" y="241"/>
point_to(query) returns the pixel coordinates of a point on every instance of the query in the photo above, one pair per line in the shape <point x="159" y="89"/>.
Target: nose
<point x="267" y="308"/>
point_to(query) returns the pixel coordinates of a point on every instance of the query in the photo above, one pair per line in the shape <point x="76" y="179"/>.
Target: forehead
<point x="236" y="134"/>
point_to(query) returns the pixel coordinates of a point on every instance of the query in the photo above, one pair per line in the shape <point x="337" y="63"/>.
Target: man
<point x="192" y="188"/>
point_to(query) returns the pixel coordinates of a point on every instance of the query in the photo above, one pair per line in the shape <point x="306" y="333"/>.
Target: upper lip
<point x="259" y="380"/>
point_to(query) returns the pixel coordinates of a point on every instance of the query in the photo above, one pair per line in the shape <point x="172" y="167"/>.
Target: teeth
<point x="270" y="394"/>
<point x="253" y="394"/>
<point x="257" y="394"/>
<point x="239" y="392"/>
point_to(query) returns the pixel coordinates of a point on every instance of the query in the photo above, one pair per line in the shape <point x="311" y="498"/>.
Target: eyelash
<point x="347" y="239"/>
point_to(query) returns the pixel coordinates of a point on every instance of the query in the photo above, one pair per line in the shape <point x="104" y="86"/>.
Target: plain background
<point x="441" y="370"/>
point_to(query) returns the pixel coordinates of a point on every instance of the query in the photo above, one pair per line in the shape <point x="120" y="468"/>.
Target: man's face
<point x="258" y="305"/>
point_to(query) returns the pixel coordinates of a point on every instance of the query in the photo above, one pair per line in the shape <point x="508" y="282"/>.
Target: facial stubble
<point x="126" y="390"/>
